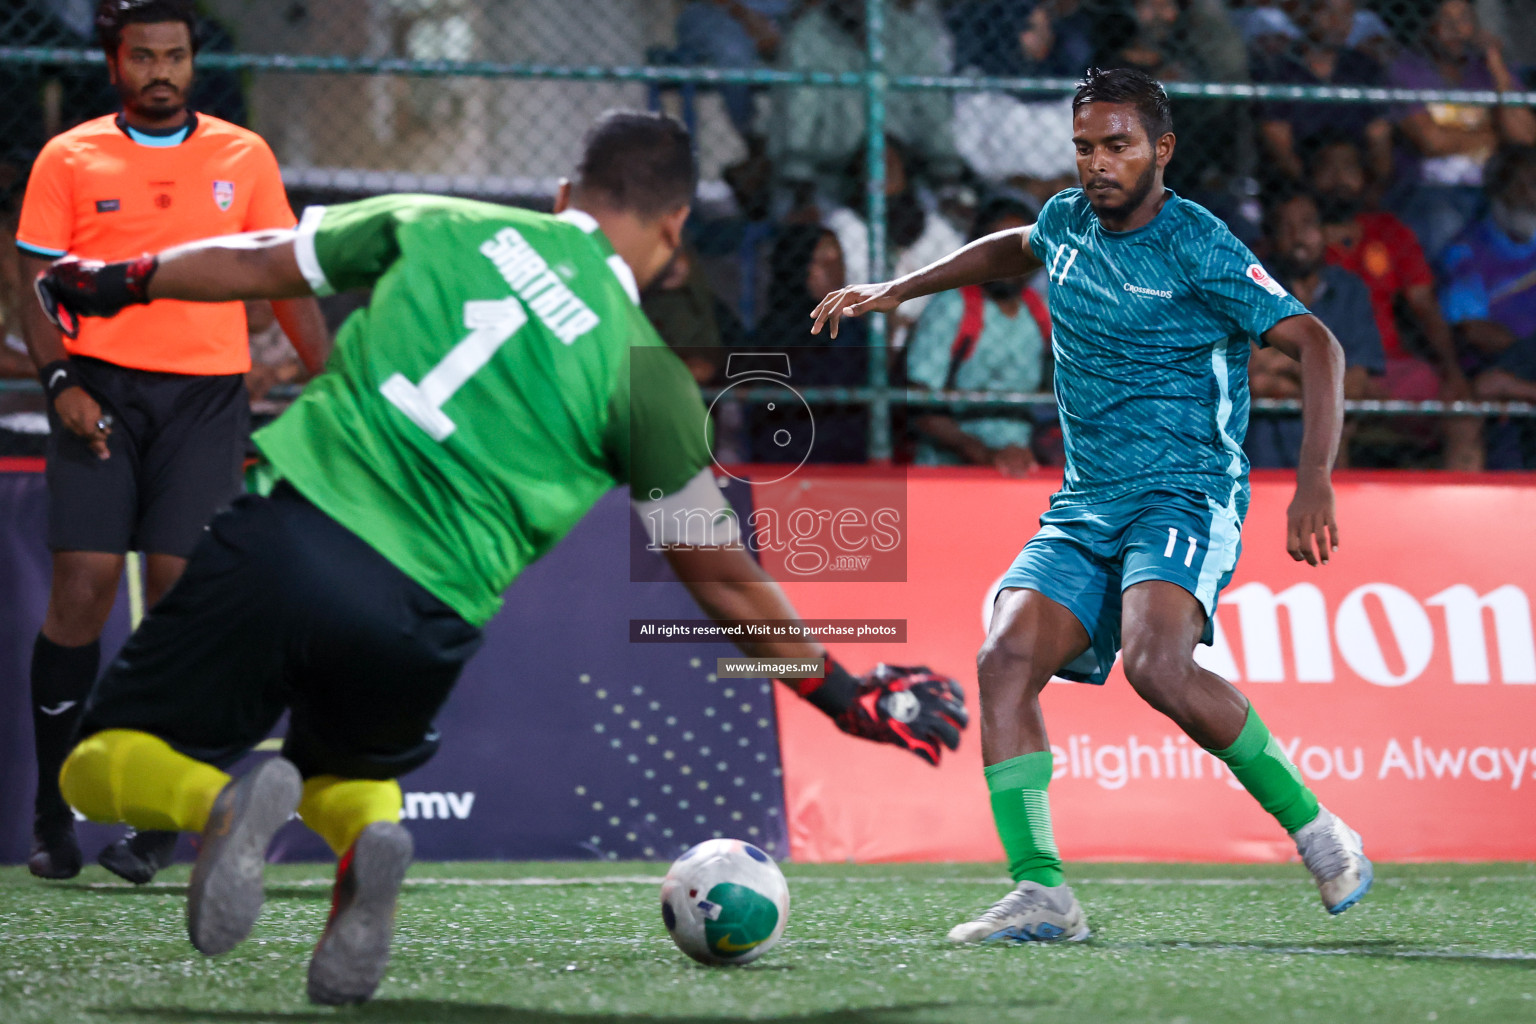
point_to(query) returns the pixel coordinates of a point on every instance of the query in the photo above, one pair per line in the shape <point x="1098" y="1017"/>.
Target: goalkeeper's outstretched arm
<point x="912" y="708"/>
<point x="256" y="265"/>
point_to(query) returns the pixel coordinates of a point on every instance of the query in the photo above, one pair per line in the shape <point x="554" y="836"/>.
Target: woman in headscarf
<point x="806" y="263"/>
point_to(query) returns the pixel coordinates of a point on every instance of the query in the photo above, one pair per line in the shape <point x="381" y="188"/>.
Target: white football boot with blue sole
<point x="1332" y="851"/>
<point x="1031" y="913"/>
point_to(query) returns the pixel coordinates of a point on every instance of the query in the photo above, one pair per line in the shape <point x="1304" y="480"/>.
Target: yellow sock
<point x="133" y="777"/>
<point x="339" y="809"/>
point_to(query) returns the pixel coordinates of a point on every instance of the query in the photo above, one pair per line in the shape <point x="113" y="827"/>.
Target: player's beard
<point x="1134" y="196"/>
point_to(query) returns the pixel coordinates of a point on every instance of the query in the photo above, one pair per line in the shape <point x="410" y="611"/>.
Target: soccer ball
<point x="724" y="902"/>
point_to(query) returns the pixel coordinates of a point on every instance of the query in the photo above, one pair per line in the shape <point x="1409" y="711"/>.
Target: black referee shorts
<point x="177" y="444"/>
<point x="283" y="608"/>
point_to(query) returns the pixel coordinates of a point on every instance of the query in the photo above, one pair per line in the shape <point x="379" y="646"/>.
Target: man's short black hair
<point x="1127" y="85"/>
<point x="113" y="15"/>
<point x="638" y="162"/>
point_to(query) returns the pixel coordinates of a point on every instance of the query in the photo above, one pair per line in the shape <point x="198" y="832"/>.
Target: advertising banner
<point x="1401" y="679"/>
<point x="596" y="721"/>
<point x="562" y="739"/>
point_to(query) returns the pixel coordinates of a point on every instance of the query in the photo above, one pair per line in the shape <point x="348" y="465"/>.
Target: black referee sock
<point x="61" y="677"/>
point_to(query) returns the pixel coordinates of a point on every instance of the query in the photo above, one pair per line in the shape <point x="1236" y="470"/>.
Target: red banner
<point x="1401" y="678"/>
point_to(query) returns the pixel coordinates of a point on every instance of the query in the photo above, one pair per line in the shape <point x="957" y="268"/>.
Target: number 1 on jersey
<point x="490" y="323"/>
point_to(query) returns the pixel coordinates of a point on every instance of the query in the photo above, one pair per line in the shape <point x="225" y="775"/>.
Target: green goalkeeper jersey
<point x="482" y="402"/>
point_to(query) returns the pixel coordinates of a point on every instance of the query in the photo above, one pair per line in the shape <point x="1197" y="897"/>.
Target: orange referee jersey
<point x="103" y="191"/>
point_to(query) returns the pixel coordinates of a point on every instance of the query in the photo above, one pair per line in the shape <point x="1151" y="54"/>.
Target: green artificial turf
<point x="583" y="942"/>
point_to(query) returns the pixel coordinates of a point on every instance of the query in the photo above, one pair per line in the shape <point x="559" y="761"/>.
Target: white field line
<point x="1406" y="954"/>
<point x="407" y="941"/>
<point x="500" y="883"/>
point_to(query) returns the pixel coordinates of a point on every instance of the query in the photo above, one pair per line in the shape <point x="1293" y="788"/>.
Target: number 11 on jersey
<point x="1173" y="540"/>
<point x="490" y="323"/>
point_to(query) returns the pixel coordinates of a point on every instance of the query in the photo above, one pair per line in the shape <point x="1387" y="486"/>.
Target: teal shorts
<point x="1085" y="555"/>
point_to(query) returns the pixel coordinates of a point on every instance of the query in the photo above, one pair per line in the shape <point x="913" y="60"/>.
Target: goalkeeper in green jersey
<point x="500" y="380"/>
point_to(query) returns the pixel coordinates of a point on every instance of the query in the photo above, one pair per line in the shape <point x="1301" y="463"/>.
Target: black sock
<point x="61" y="677"/>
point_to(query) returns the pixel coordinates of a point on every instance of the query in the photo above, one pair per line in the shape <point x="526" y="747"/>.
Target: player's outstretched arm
<point x="998" y="255"/>
<point x="913" y="708"/>
<point x="1312" y="529"/>
<point x="256" y="265"/>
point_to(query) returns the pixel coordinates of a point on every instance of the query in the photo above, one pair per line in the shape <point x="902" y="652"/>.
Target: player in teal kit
<point x="1153" y="304"/>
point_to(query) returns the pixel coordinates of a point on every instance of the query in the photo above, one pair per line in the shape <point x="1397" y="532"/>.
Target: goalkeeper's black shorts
<point x="281" y="608"/>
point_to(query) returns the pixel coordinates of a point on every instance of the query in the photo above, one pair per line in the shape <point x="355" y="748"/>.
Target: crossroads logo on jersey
<point x="1259" y="276"/>
<point x="223" y="194"/>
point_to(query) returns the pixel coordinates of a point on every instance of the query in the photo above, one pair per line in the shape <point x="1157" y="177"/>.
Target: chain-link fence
<point x="841" y="140"/>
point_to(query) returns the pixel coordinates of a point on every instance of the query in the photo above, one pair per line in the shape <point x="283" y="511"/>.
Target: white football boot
<point x="1031" y="913"/>
<point x="1332" y="851"/>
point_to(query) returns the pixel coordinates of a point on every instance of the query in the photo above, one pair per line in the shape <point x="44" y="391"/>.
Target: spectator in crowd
<point x="1268" y="31"/>
<point x="1210" y="33"/>
<point x="1181" y="41"/>
<point x="991" y="337"/>
<point x="1019" y="39"/>
<point x="805" y="259"/>
<point x="1291" y="130"/>
<point x="916" y="232"/>
<point x="1017" y="137"/>
<point x="1383" y="252"/>
<point x="1489" y="295"/>
<point x="1295" y="248"/>
<point x="699" y="327"/>
<point x="732" y="34"/>
<point x="817" y="132"/>
<point x="1454" y="141"/>
<point x="690" y="317"/>
<point x="1369" y="34"/>
<point x="1149" y="42"/>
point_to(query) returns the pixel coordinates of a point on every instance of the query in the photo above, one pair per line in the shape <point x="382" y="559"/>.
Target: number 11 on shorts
<point x="1173" y="542"/>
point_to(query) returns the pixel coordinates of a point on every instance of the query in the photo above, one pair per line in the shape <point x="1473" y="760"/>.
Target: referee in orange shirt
<point x="148" y="411"/>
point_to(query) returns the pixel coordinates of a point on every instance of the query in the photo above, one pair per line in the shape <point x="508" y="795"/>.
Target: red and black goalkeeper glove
<point x="73" y="288"/>
<point x="912" y="707"/>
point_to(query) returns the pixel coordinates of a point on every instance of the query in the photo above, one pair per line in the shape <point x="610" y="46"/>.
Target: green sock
<point x="1022" y="811"/>
<point x="1264" y="770"/>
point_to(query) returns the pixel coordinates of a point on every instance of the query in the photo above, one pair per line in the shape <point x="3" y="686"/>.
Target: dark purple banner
<point x="562" y="740"/>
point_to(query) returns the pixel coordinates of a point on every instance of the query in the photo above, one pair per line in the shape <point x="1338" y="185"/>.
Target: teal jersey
<point x="484" y="400"/>
<point x="1150" y="333"/>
